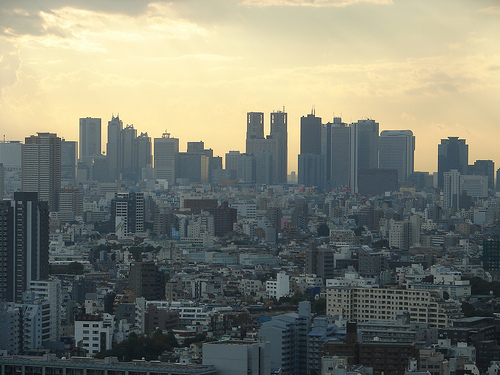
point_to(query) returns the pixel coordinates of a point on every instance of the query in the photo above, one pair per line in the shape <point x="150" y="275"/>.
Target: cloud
<point x="312" y="3"/>
<point x="200" y="56"/>
<point x="490" y="10"/>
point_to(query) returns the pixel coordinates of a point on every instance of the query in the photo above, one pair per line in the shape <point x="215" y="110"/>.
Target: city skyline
<point x="196" y="68"/>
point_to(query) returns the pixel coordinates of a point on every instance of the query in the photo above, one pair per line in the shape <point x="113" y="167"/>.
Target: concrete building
<point x="69" y="157"/>
<point x="127" y="211"/>
<point x="114" y="147"/>
<point x="451" y="189"/>
<point x="166" y="152"/>
<point x="453" y="153"/>
<point x="364" y="138"/>
<point x="41" y="167"/>
<point x="94" y="333"/>
<point x="310" y="159"/>
<point x="24" y="244"/>
<point x="50" y="291"/>
<point x="90" y="140"/>
<point x="364" y="304"/>
<point x="278" y="288"/>
<point x="11" y="158"/>
<point x="339" y="157"/>
<point x="287" y="335"/>
<point x="78" y="365"/>
<point x="396" y="150"/>
<point x="238" y="357"/>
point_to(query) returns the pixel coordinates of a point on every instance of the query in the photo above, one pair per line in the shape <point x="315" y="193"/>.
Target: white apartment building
<point x="278" y="288"/>
<point x="94" y="332"/>
<point x="51" y="292"/>
<point x="364" y="304"/>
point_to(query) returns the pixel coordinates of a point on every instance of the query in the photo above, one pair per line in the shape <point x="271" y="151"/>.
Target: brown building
<point x="387" y="358"/>
<point x="160" y="319"/>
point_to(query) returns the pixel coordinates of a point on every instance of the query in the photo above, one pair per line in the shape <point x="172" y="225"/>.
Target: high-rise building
<point x="127" y="210"/>
<point x="483" y="168"/>
<point x="340" y="153"/>
<point x="2" y="181"/>
<point x="255" y="126"/>
<point x="364" y="139"/>
<point x="451" y="189"/>
<point x="279" y="131"/>
<point x="144" y="154"/>
<point x="69" y="152"/>
<point x="10" y="157"/>
<point x="90" y="139"/>
<point x="41" y="167"/>
<point x="128" y="153"/>
<point x="310" y="159"/>
<point x="396" y="150"/>
<point x="51" y="292"/>
<point x="70" y="204"/>
<point x="24" y="244"/>
<point x="113" y="147"/>
<point x="453" y="153"/>
<point x="166" y="153"/>
<point x="310" y="134"/>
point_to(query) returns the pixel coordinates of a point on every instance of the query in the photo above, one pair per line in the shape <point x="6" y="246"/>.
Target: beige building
<point x="365" y="304"/>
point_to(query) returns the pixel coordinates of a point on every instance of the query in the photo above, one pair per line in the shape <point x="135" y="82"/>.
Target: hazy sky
<point x="195" y="67"/>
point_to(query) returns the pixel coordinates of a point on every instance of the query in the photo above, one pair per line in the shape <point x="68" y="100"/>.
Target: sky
<point x="194" y="68"/>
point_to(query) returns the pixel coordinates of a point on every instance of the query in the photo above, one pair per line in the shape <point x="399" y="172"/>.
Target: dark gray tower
<point x="311" y="168"/>
<point x="453" y="153"/>
<point x="113" y="147"/>
<point x="340" y="153"/>
<point x="24" y="244"/>
<point x="279" y="131"/>
<point x="364" y="139"/>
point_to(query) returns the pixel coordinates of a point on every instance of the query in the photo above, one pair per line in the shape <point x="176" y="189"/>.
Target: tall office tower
<point x="231" y="163"/>
<point x="310" y="134"/>
<point x="2" y="181"/>
<point x="453" y="153"/>
<point x="166" y="152"/>
<point x="128" y="152"/>
<point x="255" y="126"/>
<point x="310" y="159"/>
<point x="364" y="139"/>
<point x="10" y="157"/>
<point x="41" y="167"/>
<point x="127" y="211"/>
<point x="69" y="152"/>
<point x="279" y="131"/>
<point x="113" y="147"/>
<point x="451" y="189"/>
<point x="144" y="154"/>
<point x="265" y="151"/>
<point x="340" y="153"/>
<point x="483" y="168"/>
<point x="90" y="139"/>
<point x="396" y="150"/>
<point x="24" y="244"/>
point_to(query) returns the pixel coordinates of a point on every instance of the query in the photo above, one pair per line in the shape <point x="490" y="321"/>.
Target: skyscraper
<point x="10" y="157"/>
<point x="24" y="244"/>
<point x="340" y="153"/>
<point x="451" y="189"/>
<point x="166" y="152"/>
<point x="268" y="157"/>
<point x="41" y="167"/>
<point x="453" y="153"/>
<point x="90" y="139"/>
<point x="310" y="134"/>
<point x="69" y="152"/>
<point x="310" y="160"/>
<point x="483" y="168"/>
<point x="113" y="147"/>
<point x="255" y="126"/>
<point x="144" y="154"/>
<point x="128" y="152"/>
<point x="396" y="152"/>
<point x="279" y="131"/>
<point x="364" y="139"/>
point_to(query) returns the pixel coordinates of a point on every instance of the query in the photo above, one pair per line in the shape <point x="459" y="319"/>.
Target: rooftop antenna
<point x="165" y="134"/>
<point x="283" y="108"/>
<point x="313" y="111"/>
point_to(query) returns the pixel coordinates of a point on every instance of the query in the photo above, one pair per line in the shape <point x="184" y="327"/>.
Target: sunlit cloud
<point x="312" y="3"/>
<point x="495" y="10"/>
